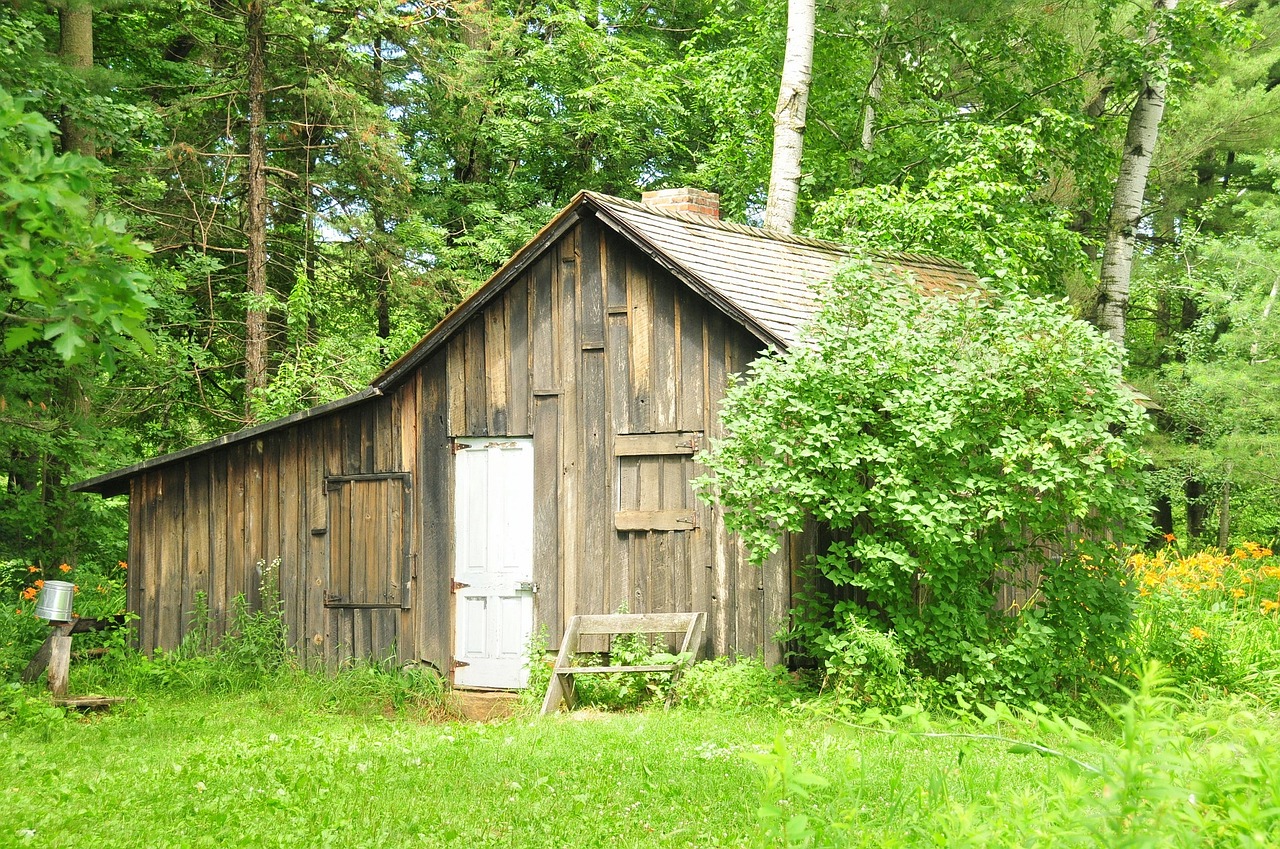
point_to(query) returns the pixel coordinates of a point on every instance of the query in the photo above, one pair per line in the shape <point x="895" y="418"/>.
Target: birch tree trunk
<point x="1131" y="186"/>
<point x="875" y="85"/>
<point x="789" y="117"/>
<point x="255" y="342"/>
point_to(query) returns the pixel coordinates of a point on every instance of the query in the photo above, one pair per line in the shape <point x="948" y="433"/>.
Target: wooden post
<point x="59" y="664"/>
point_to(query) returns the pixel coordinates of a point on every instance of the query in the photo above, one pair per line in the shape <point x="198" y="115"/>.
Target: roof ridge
<point x="773" y="235"/>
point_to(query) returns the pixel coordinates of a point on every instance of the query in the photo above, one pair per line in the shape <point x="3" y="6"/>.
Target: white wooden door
<point x="493" y="570"/>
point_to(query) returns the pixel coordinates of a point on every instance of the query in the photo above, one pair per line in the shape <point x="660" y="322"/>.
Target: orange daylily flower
<point x="39" y="584"/>
<point x="64" y="568"/>
<point x="1237" y="593"/>
<point x="1170" y="538"/>
<point x="33" y="568"/>
<point x="1270" y="605"/>
<point x="1197" y="633"/>
<point x="29" y="593"/>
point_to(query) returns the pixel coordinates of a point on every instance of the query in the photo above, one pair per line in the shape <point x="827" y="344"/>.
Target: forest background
<point x="219" y="212"/>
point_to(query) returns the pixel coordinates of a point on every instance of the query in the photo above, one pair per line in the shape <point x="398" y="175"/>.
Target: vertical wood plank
<point x="237" y="541"/>
<point x="615" y="261"/>
<point x="640" y="336"/>
<point x="597" y="515"/>
<point x="497" y="365"/>
<point x="317" y="546"/>
<point x="692" y="413"/>
<point x="546" y="516"/>
<point x="196" y="541"/>
<point x="272" y="530"/>
<point x="591" y="291"/>
<point x="137" y="535"/>
<point x="665" y="350"/>
<point x="570" y="423"/>
<point x="335" y="582"/>
<point x="619" y="401"/>
<point x="456" y="354"/>
<point x="253" y="521"/>
<point x="147" y="555"/>
<point x="220" y="531"/>
<point x="641" y="572"/>
<point x="434" y="516"/>
<point x="546" y="351"/>
<point x="520" y="404"/>
<point x="476" y="384"/>
<point x="721" y="598"/>
<point x="171" y="535"/>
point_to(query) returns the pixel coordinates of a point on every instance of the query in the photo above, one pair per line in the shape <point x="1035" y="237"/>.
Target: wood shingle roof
<point x="771" y="277"/>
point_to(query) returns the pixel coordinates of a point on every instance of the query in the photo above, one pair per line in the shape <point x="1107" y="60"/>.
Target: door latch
<point x="527" y="587"/>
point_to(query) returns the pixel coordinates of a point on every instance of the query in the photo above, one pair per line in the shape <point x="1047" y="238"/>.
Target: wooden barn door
<point x="493" y="570"/>
<point x="369" y="568"/>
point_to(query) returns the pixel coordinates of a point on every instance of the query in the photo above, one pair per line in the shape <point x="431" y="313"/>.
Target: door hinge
<point x="454" y="586"/>
<point x="458" y="664"/>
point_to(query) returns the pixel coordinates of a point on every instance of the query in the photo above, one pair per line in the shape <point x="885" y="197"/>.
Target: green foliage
<point x="950" y="437"/>
<point x="785" y="786"/>
<point x="862" y="663"/>
<point x="627" y="690"/>
<point x="729" y="685"/>
<point x="72" y="275"/>
<point x="1167" y="779"/>
<point x="981" y="206"/>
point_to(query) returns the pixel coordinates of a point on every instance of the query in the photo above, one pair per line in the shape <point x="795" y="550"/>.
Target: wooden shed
<point x="529" y="459"/>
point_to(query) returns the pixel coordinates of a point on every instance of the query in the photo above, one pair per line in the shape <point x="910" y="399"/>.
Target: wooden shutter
<point x="654" y="471"/>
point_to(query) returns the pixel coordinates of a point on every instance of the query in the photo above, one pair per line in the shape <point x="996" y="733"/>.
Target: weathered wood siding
<point x="591" y="347"/>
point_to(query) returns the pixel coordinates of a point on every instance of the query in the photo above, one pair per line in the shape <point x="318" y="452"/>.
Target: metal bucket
<point x="55" y="601"/>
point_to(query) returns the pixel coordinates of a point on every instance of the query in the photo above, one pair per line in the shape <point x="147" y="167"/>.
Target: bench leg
<point x="559" y="689"/>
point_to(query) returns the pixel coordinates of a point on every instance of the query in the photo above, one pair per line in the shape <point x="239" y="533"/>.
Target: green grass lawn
<point x="267" y="769"/>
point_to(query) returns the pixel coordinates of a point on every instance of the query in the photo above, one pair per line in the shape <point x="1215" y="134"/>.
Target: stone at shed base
<point x="483" y="705"/>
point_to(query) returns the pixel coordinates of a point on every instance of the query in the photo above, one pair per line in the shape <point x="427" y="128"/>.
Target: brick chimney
<point x="694" y="201"/>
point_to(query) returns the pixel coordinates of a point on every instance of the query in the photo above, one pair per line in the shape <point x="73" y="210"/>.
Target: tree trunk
<point x="1224" y="515"/>
<point x="382" y="271"/>
<point x="255" y="355"/>
<point x="1131" y="186"/>
<point x="1193" y="491"/>
<point x="1161" y="520"/>
<point x="875" y="85"/>
<point x="75" y="49"/>
<point x="789" y="117"/>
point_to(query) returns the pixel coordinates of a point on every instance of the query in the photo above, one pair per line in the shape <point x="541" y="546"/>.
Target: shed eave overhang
<point x="117" y="482"/>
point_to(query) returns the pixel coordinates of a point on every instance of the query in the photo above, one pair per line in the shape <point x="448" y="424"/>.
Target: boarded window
<point x="654" y="471"/>
<point x="368" y="543"/>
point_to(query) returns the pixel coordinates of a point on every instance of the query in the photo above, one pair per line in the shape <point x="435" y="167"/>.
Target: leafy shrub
<point x="734" y="685"/>
<point x="945" y="440"/>
<point x="860" y="661"/>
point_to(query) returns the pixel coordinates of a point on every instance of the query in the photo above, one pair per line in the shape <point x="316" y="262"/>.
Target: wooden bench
<point x="560" y="688"/>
